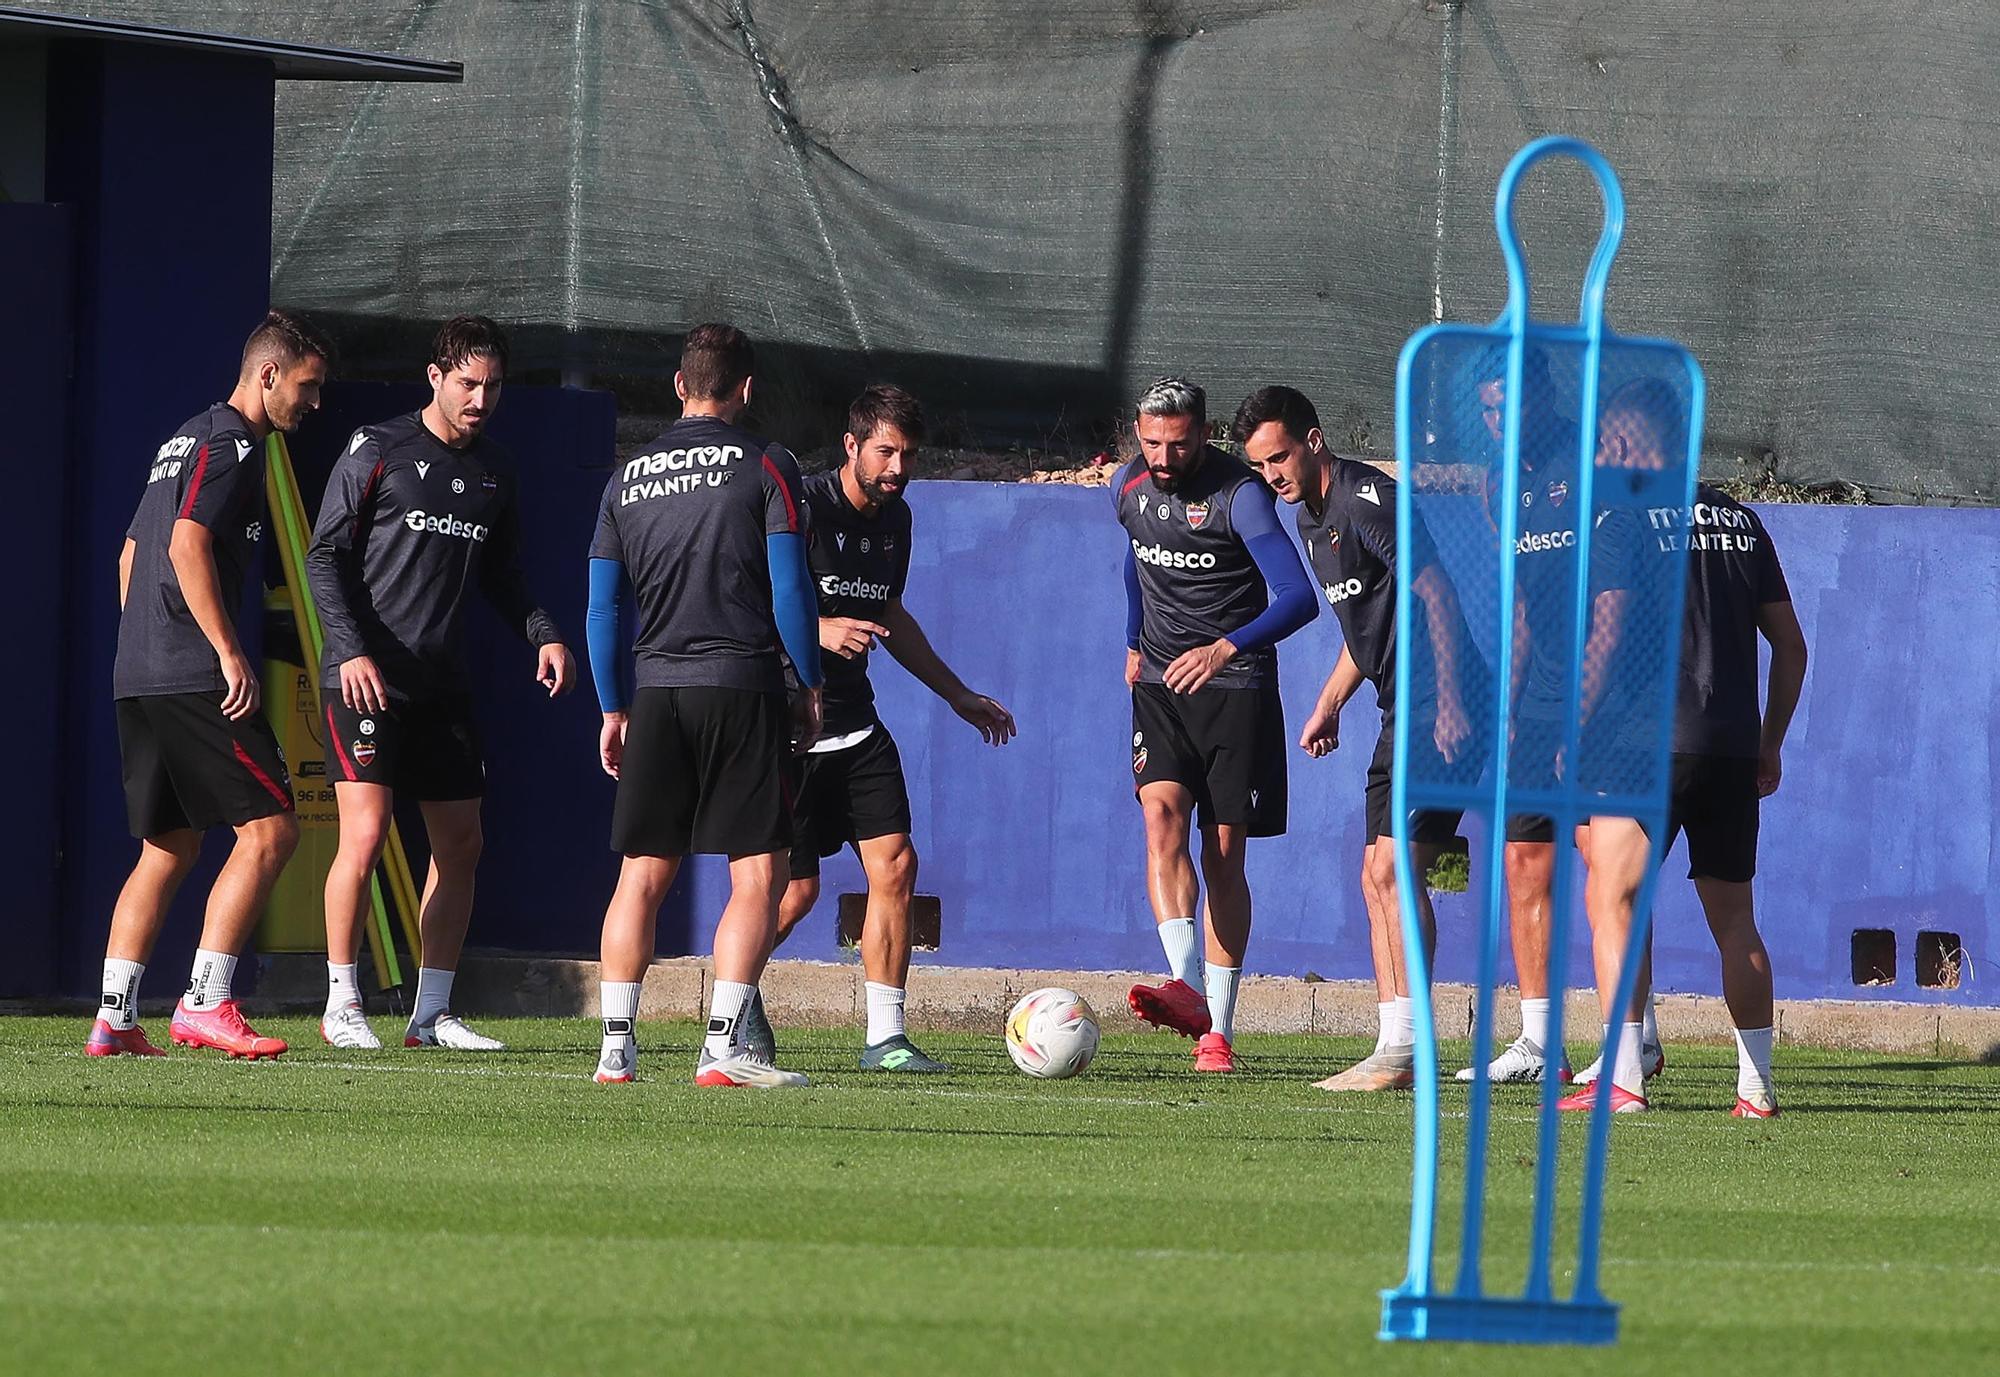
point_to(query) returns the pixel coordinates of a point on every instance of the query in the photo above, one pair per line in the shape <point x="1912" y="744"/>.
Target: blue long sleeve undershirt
<point x="795" y="604"/>
<point x="1135" y="600"/>
<point x="602" y="633"/>
<point x="1292" y="604"/>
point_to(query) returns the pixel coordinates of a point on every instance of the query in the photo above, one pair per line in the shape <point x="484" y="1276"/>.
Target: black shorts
<point x="847" y="796"/>
<point x="188" y="766"/>
<point x="423" y="750"/>
<point x="1715" y="801"/>
<point x="1226" y="745"/>
<point x="705" y="772"/>
<point x="1432" y="827"/>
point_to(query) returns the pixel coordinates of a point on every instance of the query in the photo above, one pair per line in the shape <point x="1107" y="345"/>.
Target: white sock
<point x="618" y="1001"/>
<point x="1222" y="997"/>
<point x="1753" y="1061"/>
<point x="1183" y="946"/>
<point x="208" y="986"/>
<point x="885" y="1012"/>
<point x="433" y="995"/>
<point x="1385" y="1024"/>
<point x="1652" y="1024"/>
<point x="725" y="1012"/>
<point x="1535" y="1022"/>
<point x="119" y="1005"/>
<point x="343" y="987"/>
<point x="1628" y="1073"/>
<point x="1406" y="1022"/>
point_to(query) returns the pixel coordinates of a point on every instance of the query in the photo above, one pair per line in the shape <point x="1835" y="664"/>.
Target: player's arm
<point x="506" y="587"/>
<point x="604" y="642"/>
<point x="218" y="492"/>
<point x="794" y="599"/>
<point x="1441" y="615"/>
<point x="1780" y="626"/>
<point x="913" y="651"/>
<point x="1135" y="616"/>
<point x="125" y="556"/>
<point x="334" y="562"/>
<point x="1322" y="729"/>
<point x="1600" y="648"/>
<point x="1291" y="602"/>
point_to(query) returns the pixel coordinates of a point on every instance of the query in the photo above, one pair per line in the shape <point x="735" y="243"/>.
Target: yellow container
<point x="296" y="919"/>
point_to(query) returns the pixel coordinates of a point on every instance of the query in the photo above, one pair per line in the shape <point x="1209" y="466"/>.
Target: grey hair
<point x="1174" y="396"/>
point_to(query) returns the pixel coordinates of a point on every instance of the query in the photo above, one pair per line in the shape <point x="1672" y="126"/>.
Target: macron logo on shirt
<point x="669" y="472"/>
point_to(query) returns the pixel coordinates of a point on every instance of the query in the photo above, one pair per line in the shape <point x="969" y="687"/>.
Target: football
<point x="1052" y="1033"/>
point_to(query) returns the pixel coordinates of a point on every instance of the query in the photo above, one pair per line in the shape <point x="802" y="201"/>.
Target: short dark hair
<point x="715" y="359"/>
<point x="1286" y="405"/>
<point x="464" y="336"/>
<point x="288" y="338"/>
<point x="885" y="404"/>
<point x="1654" y="401"/>
<point x="1173" y="396"/>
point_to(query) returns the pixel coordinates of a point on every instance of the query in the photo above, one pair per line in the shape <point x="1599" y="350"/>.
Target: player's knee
<point x="800" y="897"/>
<point x="458" y="849"/>
<point x="1529" y="866"/>
<point x="895" y="872"/>
<point x="1378" y="873"/>
<point x="270" y="842"/>
<point x="1166" y="822"/>
<point x="174" y="851"/>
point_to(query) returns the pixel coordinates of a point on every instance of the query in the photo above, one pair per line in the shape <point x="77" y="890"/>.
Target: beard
<point x="879" y="491"/>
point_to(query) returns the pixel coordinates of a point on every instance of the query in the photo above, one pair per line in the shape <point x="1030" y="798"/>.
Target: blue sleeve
<point x="1135" y="600"/>
<point x="795" y="604"/>
<point x="1292" y="603"/>
<point x="602" y="633"/>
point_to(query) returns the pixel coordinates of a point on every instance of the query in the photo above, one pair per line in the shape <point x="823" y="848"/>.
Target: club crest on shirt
<point x="364" y="753"/>
<point x="1139" y="761"/>
<point x="488" y="481"/>
<point x="1197" y="515"/>
<point x="1558" y="494"/>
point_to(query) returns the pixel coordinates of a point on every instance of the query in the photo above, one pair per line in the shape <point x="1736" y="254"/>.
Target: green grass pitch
<point x="435" y="1213"/>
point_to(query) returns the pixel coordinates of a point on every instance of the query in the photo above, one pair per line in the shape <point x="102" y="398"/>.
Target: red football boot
<point x="1213" y="1053"/>
<point x="1754" y="1107"/>
<point x="1175" y="1005"/>
<point x="106" y="1041"/>
<point x="1623" y="1101"/>
<point x="223" y="1029"/>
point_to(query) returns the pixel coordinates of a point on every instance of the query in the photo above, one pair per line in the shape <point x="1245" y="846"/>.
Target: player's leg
<point x="626" y="949"/>
<point x="456" y="836"/>
<point x="1377" y="1071"/>
<point x="739" y="744"/>
<point x="1228" y="909"/>
<point x="1166" y="770"/>
<point x="164" y="861"/>
<point x="1530" y="866"/>
<point x="1619" y="853"/>
<point x="365" y="811"/>
<point x="229" y="773"/>
<point x="1722" y="823"/>
<point x="886" y="938"/>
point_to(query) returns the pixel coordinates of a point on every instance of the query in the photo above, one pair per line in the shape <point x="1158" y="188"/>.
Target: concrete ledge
<point x="818" y="994"/>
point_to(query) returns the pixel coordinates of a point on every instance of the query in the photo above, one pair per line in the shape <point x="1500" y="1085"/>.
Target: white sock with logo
<point x="1652" y="1024"/>
<point x="1753" y="1061"/>
<point x="433" y="995"/>
<point x="618" y="1002"/>
<point x="1183" y="945"/>
<point x="119" y="1005"/>
<point x="1222" y="997"/>
<point x="725" y="1012"/>
<point x="1406" y="1022"/>
<point x="885" y="1012"/>
<point x="343" y="987"/>
<point x="1535" y="1022"/>
<point x="208" y="985"/>
<point x="1385" y="1023"/>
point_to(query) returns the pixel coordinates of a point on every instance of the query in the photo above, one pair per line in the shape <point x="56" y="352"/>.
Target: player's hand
<point x="848" y="637"/>
<point x="242" y="690"/>
<point x="611" y="742"/>
<point x="995" y="723"/>
<point x="1770" y="772"/>
<point x="1132" y="667"/>
<point x="1190" y="671"/>
<point x="806" y="720"/>
<point x="1321" y="735"/>
<point x="555" y="669"/>
<point x="361" y="686"/>
<point x="1452" y="730"/>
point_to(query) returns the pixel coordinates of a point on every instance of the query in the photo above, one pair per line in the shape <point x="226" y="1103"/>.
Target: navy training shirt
<point x="688" y="518"/>
<point x="212" y="472"/>
<point x="860" y="563"/>
<point x="407" y="529"/>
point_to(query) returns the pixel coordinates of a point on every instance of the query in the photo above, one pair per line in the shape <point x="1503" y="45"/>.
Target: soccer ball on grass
<point x="1052" y="1033"/>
